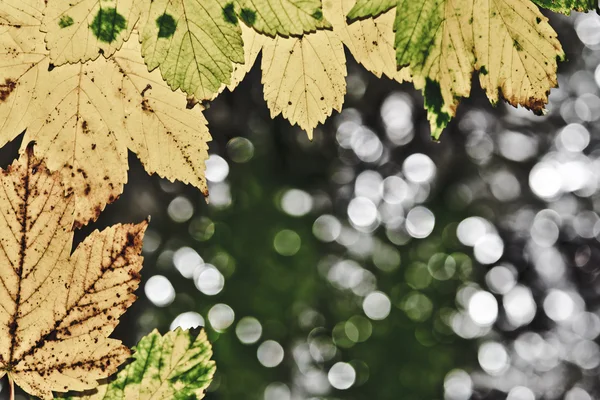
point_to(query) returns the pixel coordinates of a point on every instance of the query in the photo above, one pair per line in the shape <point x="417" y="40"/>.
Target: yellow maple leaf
<point x="57" y="309"/>
<point x="84" y="117"/>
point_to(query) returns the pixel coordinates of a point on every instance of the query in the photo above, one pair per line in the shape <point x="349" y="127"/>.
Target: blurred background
<point x="375" y="263"/>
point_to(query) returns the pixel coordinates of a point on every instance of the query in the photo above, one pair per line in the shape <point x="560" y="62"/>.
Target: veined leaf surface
<point x="57" y="309"/>
<point x="194" y="43"/>
<point x="283" y="17"/>
<point x="175" y="366"/>
<point x="84" y="117"/>
<point x="81" y="30"/>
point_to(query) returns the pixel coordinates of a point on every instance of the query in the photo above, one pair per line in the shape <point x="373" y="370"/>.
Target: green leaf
<point x="283" y="17"/>
<point x="565" y="6"/>
<point x="171" y="367"/>
<point x="194" y="43"/>
<point x="370" y="8"/>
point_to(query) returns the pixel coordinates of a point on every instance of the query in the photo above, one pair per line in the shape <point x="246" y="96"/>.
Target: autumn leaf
<point x="566" y="6"/>
<point x="304" y="78"/>
<point x="81" y="30"/>
<point x="84" y="117"/>
<point x="194" y="43"/>
<point x="443" y="42"/>
<point x="58" y="309"/>
<point x="283" y="17"/>
<point x="370" y="40"/>
<point x="175" y="366"/>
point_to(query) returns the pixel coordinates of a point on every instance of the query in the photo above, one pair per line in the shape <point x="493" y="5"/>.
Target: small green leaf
<point x="283" y="17"/>
<point x="566" y="6"/>
<point x="370" y="8"/>
<point x="171" y="367"/>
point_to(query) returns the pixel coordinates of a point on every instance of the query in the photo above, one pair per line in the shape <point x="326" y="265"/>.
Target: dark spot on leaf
<point x="483" y="70"/>
<point x="538" y="19"/>
<point x="248" y="16"/>
<point x="191" y="103"/>
<point x="434" y="102"/>
<point x="50" y="67"/>
<point x="318" y="14"/>
<point x="148" y="87"/>
<point x="517" y="45"/>
<point x="65" y="21"/>
<point x="146" y="106"/>
<point x="107" y="24"/>
<point x="229" y="14"/>
<point x="166" y="26"/>
<point x="7" y="88"/>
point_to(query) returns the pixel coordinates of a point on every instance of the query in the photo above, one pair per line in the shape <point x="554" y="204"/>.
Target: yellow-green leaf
<point x="58" y="309"/>
<point x="566" y="6"/>
<point x="194" y="43"/>
<point x="81" y="30"/>
<point x="283" y="17"/>
<point x="253" y="43"/>
<point x="370" y="8"/>
<point x="175" y="366"/>
<point x="509" y="42"/>
<point x="304" y="78"/>
<point x="371" y="41"/>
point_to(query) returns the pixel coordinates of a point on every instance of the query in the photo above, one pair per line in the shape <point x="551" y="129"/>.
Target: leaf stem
<point x="12" y="387"/>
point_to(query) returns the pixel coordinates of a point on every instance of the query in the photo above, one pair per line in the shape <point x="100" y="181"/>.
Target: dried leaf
<point x="58" y="309"/>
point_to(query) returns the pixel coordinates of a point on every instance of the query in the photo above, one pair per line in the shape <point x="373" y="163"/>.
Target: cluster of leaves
<point x="90" y="79"/>
<point x="58" y="309"/>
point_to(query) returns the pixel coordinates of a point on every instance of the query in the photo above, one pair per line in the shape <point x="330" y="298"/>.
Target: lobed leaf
<point x="304" y="78"/>
<point x="84" y="117"/>
<point x="283" y="17"/>
<point x="171" y="367"/>
<point x="57" y="309"/>
<point x="194" y="43"/>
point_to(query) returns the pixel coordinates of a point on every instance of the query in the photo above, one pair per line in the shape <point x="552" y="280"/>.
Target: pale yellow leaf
<point x="84" y="117"/>
<point x="170" y="139"/>
<point x="57" y="310"/>
<point x="371" y="40"/>
<point x="22" y="61"/>
<point x="72" y="130"/>
<point x="81" y="30"/>
<point x="304" y="78"/>
<point x="518" y="49"/>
